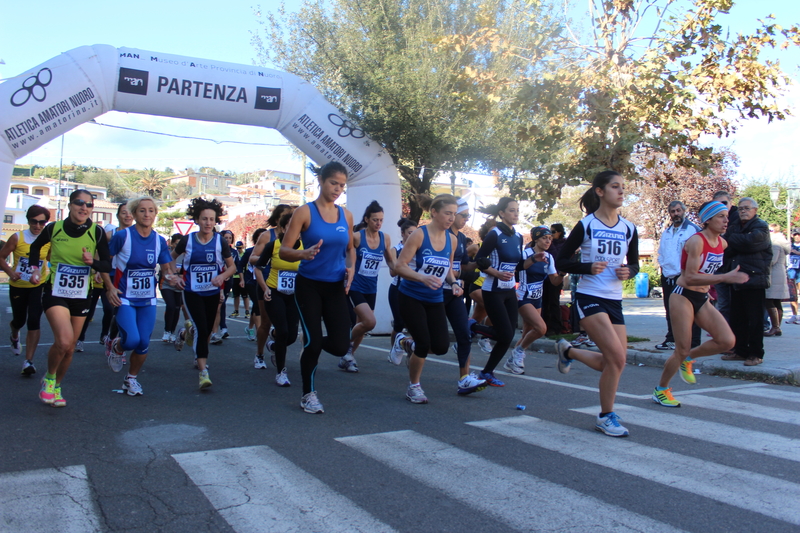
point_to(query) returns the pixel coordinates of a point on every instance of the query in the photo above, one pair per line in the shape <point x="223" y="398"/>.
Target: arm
<point x="262" y="283"/>
<point x="229" y="271"/>
<point x="566" y="260"/>
<point x="350" y="259"/>
<point x="299" y="222"/>
<point x="8" y="247"/>
<point x="631" y="268"/>
<point x="483" y="261"/>
<point x="36" y="249"/>
<point x="455" y="285"/>
<point x="407" y="255"/>
<point x="387" y="255"/>
<point x="259" y="247"/>
<point x="393" y="254"/>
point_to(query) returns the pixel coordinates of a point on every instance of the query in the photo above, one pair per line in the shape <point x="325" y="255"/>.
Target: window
<point x="23" y="190"/>
<point x="40" y="191"/>
<point x="216" y="182"/>
<point x="8" y="219"/>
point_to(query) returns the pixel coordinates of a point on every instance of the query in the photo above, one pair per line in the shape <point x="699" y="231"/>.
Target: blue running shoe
<point x="490" y="379"/>
<point x="610" y="425"/>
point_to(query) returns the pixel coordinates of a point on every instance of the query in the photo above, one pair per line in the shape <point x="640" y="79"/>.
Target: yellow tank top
<point x="21" y="253"/>
<point x="277" y="265"/>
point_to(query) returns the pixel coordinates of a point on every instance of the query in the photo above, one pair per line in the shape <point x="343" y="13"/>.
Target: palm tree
<point x="150" y="182"/>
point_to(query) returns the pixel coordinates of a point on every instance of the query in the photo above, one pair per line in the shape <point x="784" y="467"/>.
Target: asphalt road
<point x="242" y="456"/>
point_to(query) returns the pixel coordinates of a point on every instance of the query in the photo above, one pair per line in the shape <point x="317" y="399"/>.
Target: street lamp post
<point x="792" y="198"/>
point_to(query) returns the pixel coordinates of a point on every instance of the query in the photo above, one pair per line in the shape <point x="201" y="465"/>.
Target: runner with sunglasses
<point x="65" y="297"/>
<point x="25" y="297"/>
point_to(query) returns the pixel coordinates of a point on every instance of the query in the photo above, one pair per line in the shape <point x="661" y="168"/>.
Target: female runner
<point x="173" y="299"/>
<point x="136" y="251"/>
<point x="605" y="240"/>
<point x="499" y="258"/>
<point x="25" y="297"/>
<point x="324" y="276"/>
<point x="109" y="325"/>
<point x="538" y="265"/>
<point x="65" y="297"/>
<point x="207" y="263"/>
<point x="421" y="298"/>
<point x="248" y="277"/>
<point x="372" y="247"/>
<point x="279" y="301"/>
<point x="407" y="227"/>
<point x="700" y="259"/>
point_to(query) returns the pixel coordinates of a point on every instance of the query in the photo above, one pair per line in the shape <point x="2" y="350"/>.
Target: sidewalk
<point x="644" y="317"/>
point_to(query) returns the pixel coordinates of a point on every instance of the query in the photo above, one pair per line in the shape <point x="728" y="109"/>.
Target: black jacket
<point x="751" y="250"/>
<point x="733" y="220"/>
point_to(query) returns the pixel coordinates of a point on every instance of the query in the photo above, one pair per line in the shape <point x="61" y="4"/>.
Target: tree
<point x="758" y="190"/>
<point x="622" y="90"/>
<point x="150" y="182"/>
<point x="393" y="69"/>
<point x="663" y="181"/>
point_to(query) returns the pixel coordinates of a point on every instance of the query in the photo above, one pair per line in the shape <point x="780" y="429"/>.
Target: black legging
<point x="283" y="313"/>
<point x="172" y="314"/>
<point x="459" y="321"/>
<point x="397" y="323"/>
<point x="427" y="325"/>
<point x="203" y="312"/>
<point x="109" y="324"/>
<point x="501" y="308"/>
<point x="93" y="297"/>
<point x="318" y="301"/>
<point x="26" y="307"/>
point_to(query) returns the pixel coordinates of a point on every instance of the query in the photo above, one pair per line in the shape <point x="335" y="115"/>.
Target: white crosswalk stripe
<point x="444" y="467"/>
<point x="742" y="408"/>
<point x="772" y="394"/>
<point x="256" y="489"/>
<point x="672" y="422"/>
<point x="747" y="490"/>
<point x="57" y="499"/>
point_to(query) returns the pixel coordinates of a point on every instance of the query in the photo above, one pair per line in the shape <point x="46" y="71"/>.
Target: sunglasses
<point x="80" y="203"/>
<point x="35" y="222"/>
<point x="464" y="216"/>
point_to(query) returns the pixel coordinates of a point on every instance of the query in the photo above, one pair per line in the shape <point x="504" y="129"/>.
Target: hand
<point x="218" y="281"/>
<point x="432" y="282"/>
<point x="268" y="295"/>
<point x="311" y="253"/>
<point x="541" y="257"/>
<point x="623" y="273"/>
<point x="113" y="296"/>
<point x="36" y="276"/>
<point x="505" y="276"/>
<point x="736" y="276"/>
<point x="177" y="281"/>
<point x="98" y="278"/>
<point x="598" y="267"/>
<point x="241" y="282"/>
<point x="88" y="258"/>
<point x="457" y="290"/>
<point x="15" y="276"/>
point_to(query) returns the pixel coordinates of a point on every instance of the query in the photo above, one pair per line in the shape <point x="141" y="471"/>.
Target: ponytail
<point x="590" y="201"/>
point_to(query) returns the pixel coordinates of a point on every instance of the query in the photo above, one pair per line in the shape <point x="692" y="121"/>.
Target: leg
<point x="667" y="286"/>
<point x="682" y="318"/>
<point x="365" y="324"/>
<point x="309" y="303"/>
<point x="64" y="338"/>
<point x="535" y="326"/>
<point x="612" y="341"/>
<point x="145" y="321"/>
<point x="277" y="309"/>
<point x="414" y="314"/>
<point x="501" y="308"/>
<point x="457" y="316"/>
<point x="34" y="296"/>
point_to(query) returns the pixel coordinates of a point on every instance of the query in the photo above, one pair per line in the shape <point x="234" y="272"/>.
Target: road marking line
<point x="718" y="389"/>
<point x="504" y="493"/>
<point x="676" y="424"/>
<point x="256" y="489"/>
<point x="755" y="492"/>
<point x="743" y="408"/>
<point x="772" y="394"/>
<point x="52" y="498"/>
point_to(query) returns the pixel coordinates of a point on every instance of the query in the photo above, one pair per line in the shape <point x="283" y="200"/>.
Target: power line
<point x="184" y="136"/>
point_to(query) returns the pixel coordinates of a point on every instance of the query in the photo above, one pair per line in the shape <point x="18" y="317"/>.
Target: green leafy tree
<point x="759" y="191"/>
<point x="150" y="182"/>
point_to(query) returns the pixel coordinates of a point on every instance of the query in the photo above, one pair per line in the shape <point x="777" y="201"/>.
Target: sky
<point x="35" y="32"/>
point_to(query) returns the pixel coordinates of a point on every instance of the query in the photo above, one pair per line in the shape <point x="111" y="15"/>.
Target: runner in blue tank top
<point x="136" y="251"/>
<point x="421" y="300"/>
<point x="407" y="227"/>
<point x="326" y="270"/>
<point x="372" y="247"/>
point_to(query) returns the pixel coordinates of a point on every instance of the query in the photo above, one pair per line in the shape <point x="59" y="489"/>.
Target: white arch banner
<point x="77" y="86"/>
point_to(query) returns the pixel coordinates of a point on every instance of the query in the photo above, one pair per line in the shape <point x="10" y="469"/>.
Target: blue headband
<point x="710" y="211"/>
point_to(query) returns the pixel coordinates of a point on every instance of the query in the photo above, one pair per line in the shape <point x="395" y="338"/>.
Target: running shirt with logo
<point x="368" y="264"/>
<point x="711" y="257"/>
<point x="432" y="263"/>
<point x="69" y="275"/>
<point x="22" y="261"/>
<point x="794" y="259"/>
<point x="413" y="264"/>
<point x="460" y="256"/>
<point x="505" y="253"/>
<point x="202" y="262"/>
<point x="135" y="261"/>
<point x="531" y="280"/>
<point x="329" y="263"/>
<point x="617" y="245"/>
<point x="282" y="274"/>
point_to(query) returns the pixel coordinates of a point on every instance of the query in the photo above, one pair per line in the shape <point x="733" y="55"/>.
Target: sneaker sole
<point x="29" y="371"/>
<point x="418" y="402"/>
<point x="205" y="385"/>
<point x="128" y="392"/>
<point x="465" y="392"/>
<point x="694" y="382"/>
<point x="516" y="371"/>
<point x="603" y="431"/>
<point x="656" y="400"/>
<point x="312" y="411"/>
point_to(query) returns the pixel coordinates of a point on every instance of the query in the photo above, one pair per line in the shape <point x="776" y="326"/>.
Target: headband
<point x="541" y="231"/>
<point x="710" y="211"/>
<point x="462" y="206"/>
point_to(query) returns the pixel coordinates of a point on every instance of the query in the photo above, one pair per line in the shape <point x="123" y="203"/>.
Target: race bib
<point x="141" y="283"/>
<point x="711" y="264"/>
<point x="507" y="267"/>
<point x="436" y="267"/>
<point x="200" y="277"/>
<point x="608" y="245"/>
<point x="370" y="263"/>
<point x="286" y="281"/>
<point x="456" y="266"/>
<point x="794" y="261"/>
<point x="71" y="281"/>
<point x="535" y="290"/>
<point x="24" y="268"/>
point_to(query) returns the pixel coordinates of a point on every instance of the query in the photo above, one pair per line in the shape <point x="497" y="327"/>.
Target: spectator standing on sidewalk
<point x="723" y="290"/>
<point x="779" y="288"/>
<point x="669" y="259"/>
<point x="551" y="294"/>
<point x="751" y="250"/>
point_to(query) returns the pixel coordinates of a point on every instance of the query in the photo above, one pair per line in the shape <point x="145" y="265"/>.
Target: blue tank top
<point x="368" y="264"/>
<point x="430" y="262"/>
<point x="135" y="260"/>
<point x="201" y="263"/>
<point x="505" y="252"/>
<point x="329" y="263"/>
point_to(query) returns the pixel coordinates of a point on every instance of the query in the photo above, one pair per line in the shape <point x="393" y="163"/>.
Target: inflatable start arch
<point x="82" y="84"/>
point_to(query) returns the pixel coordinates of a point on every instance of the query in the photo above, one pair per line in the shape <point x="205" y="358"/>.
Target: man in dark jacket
<point x="723" y="289"/>
<point x="751" y="251"/>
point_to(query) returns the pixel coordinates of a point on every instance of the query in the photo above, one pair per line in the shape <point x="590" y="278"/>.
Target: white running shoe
<point x="515" y="362"/>
<point x="250" y="333"/>
<point x="471" y="383"/>
<point x="348" y="363"/>
<point x="485" y="345"/>
<point x="310" y="403"/>
<point x="281" y="379"/>
<point x="180" y="339"/>
<point x="610" y="425"/>
<point x="397" y="353"/>
<point x="167" y="336"/>
<point x="79" y="346"/>
<point x="564" y="362"/>
<point x="172" y="338"/>
<point x="15" y="346"/>
<point x="216" y="338"/>
<point x="132" y="387"/>
<point x="415" y="394"/>
<point x="223" y="333"/>
<point x="258" y="362"/>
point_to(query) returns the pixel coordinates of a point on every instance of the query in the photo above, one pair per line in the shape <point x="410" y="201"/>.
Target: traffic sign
<point x="183" y="226"/>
